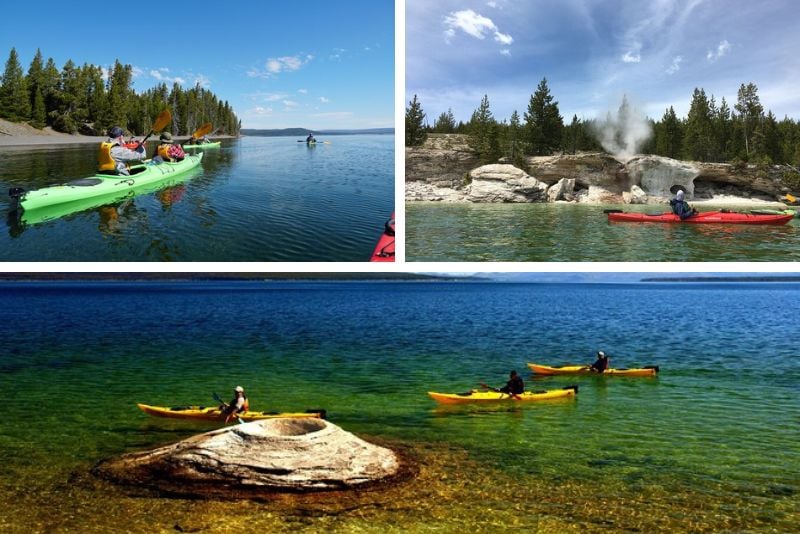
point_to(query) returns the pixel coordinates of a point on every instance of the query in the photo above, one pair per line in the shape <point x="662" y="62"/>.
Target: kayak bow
<point x="384" y="249"/>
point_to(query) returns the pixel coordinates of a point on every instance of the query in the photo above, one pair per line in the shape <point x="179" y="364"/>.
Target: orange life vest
<point x="104" y="159"/>
<point x="163" y="151"/>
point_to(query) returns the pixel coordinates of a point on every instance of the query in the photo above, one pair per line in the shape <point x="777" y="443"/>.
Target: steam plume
<point x="624" y="134"/>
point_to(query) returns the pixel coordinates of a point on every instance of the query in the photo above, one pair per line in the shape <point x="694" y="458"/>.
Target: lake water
<point x="566" y="232"/>
<point x="255" y="199"/>
<point x="711" y="444"/>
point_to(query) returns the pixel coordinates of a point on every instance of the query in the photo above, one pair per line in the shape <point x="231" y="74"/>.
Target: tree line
<point x="90" y="100"/>
<point x="711" y="131"/>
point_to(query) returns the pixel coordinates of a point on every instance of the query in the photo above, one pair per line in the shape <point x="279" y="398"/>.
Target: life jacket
<point x="246" y="406"/>
<point x="104" y="159"/>
<point x="163" y="151"/>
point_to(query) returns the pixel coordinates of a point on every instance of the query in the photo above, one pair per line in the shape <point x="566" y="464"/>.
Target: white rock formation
<point x="504" y="183"/>
<point x="657" y="175"/>
<point x="268" y="455"/>
<point x="635" y="196"/>
<point x="562" y="190"/>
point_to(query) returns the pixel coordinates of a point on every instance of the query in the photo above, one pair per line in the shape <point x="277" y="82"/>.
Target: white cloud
<point x="323" y="100"/>
<point x="157" y="74"/>
<point x="505" y="52"/>
<point x="722" y="49"/>
<point x="290" y="104"/>
<point x="491" y="4"/>
<point x="303" y="91"/>
<point x="202" y="81"/>
<point x="277" y="65"/>
<point x="334" y="115"/>
<point x="475" y="25"/>
<point x="675" y="66"/>
<point x="258" y="110"/>
<point x="631" y="57"/>
<point x="135" y="72"/>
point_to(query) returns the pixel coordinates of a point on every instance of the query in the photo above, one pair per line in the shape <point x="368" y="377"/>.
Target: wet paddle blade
<point x="203" y="130"/>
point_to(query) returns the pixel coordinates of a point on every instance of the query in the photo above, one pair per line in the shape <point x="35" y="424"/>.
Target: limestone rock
<point x="659" y="176"/>
<point x="258" y="457"/>
<point x="635" y="196"/>
<point x="562" y="190"/>
<point x="587" y="169"/>
<point x="443" y="161"/>
<point x="504" y="183"/>
<point x="422" y="192"/>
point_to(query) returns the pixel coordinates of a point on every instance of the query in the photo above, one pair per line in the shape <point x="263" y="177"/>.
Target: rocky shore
<point x="445" y="169"/>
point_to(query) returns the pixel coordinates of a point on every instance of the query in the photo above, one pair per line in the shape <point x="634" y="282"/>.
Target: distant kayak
<point x="203" y="146"/>
<point x="539" y="369"/>
<point x="384" y="250"/>
<point x="102" y="185"/>
<point x="201" y="413"/>
<point x="708" y="217"/>
<point x="484" y="397"/>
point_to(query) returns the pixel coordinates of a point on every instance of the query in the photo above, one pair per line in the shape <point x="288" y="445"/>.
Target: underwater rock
<point x="298" y="455"/>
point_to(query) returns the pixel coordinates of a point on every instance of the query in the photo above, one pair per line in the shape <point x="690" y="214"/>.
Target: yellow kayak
<point x="650" y="370"/>
<point x="202" y="413"/>
<point x="480" y="397"/>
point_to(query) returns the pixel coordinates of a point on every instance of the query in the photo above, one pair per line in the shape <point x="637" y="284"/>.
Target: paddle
<point x="612" y="211"/>
<point x="314" y="142"/>
<point x="164" y="118"/>
<point x="790" y="198"/>
<point x="200" y="132"/>
<point x="512" y="395"/>
<point x="216" y="398"/>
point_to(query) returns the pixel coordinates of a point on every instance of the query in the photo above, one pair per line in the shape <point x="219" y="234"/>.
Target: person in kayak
<point x="601" y="364"/>
<point x="680" y="207"/>
<point x="514" y="386"/>
<point x="168" y="150"/>
<point x="310" y="138"/>
<point x="238" y="405"/>
<point x="113" y="157"/>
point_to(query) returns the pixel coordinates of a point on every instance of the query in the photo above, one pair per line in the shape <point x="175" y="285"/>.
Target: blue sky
<point x="594" y="51"/>
<point x="314" y="64"/>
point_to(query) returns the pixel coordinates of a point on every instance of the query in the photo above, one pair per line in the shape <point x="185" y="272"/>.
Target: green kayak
<point x="215" y="144"/>
<point x="100" y="187"/>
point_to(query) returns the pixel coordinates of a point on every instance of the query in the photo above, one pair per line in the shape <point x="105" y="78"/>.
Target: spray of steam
<point x="622" y="135"/>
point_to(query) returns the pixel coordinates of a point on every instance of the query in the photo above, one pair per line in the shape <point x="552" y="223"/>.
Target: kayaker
<point x="601" y="364"/>
<point x="168" y="150"/>
<point x="113" y="156"/>
<point x="310" y="138"/>
<point x="203" y="140"/>
<point x="680" y="207"/>
<point x="238" y="405"/>
<point x="514" y="386"/>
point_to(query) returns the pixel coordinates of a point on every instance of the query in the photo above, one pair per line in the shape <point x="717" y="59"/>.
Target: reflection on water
<point x="255" y="199"/>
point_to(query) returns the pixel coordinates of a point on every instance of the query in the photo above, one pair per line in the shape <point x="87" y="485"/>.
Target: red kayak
<point x="708" y="217"/>
<point x="384" y="250"/>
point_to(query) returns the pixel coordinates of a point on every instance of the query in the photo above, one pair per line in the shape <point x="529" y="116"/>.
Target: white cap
<point x="601" y="354"/>
<point x="239" y="389"/>
<point x="680" y="194"/>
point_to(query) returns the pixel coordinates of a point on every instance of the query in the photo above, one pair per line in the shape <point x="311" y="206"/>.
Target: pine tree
<point x="415" y="132"/>
<point x="723" y="131"/>
<point x="119" y="92"/>
<point x="750" y="111"/>
<point x="484" y="134"/>
<point x="698" y="138"/>
<point x="15" y="101"/>
<point x="35" y="80"/>
<point x="446" y="123"/>
<point x="543" y="122"/>
<point x="669" y="135"/>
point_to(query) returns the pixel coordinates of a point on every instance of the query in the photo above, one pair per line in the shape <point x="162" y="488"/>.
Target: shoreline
<point x="56" y="139"/>
<point x="721" y="201"/>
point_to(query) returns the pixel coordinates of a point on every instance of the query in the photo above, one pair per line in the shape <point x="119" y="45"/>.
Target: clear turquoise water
<point x="719" y="427"/>
<point x="565" y="232"/>
<point x="255" y="199"/>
